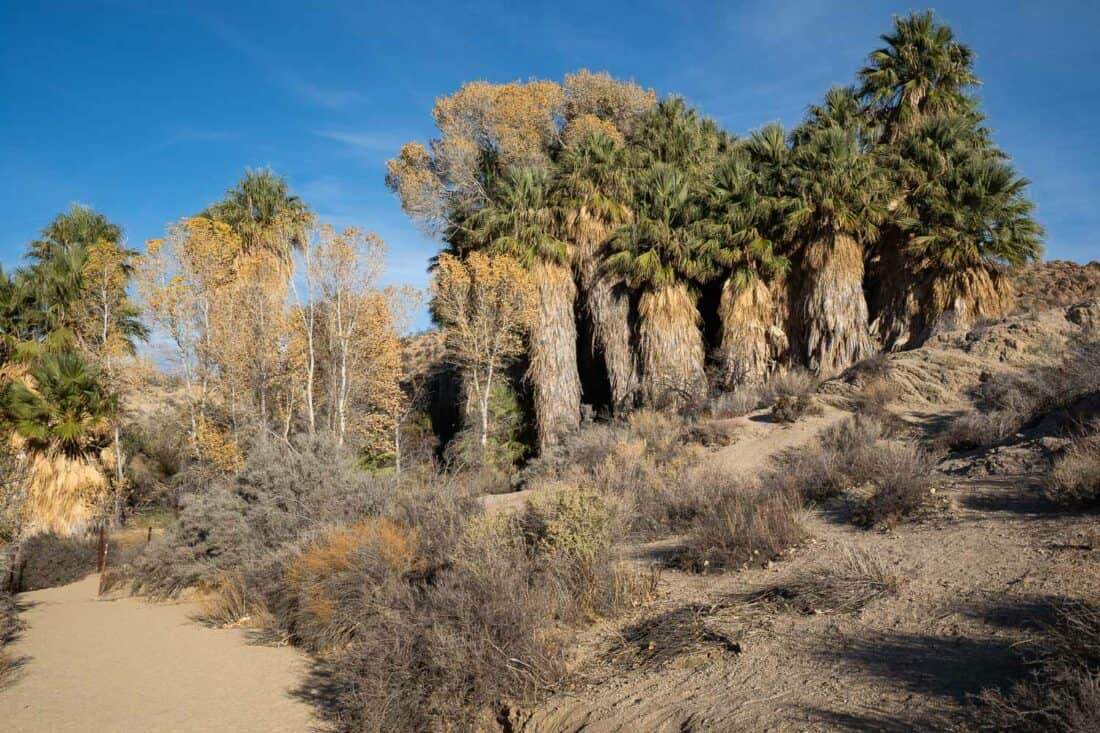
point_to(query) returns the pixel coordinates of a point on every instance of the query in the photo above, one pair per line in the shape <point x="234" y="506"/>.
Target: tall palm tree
<point x="76" y="229"/>
<point x="521" y="222"/>
<point x="58" y="415"/>
<point x="839" y="199"/>
<point x="967" y="219"/>
<point x="674" y="133"/>
<point x="593" y="191"/>
<point x="54" y="278"/>
<point x="739" y="224"/>
<point x="263" y="212"/>
<point x="896" y="288"/>
<point x="921" y="72"/>
<point x="658" y="253"/>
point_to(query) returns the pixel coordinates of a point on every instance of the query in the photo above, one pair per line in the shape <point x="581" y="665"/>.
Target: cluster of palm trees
<point x="58" y="401"/>
<point x="55" y="402"/>
<point x="885" y="212"/>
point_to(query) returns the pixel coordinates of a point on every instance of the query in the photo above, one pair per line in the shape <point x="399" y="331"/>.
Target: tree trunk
<point x="609" y="307"/>
<point x="553" y="370"/>
<point x="672" y="348"/>
<point x="893" y="294"/>
<point x="832" y="318"/>
<point x="748" y="348"/>
<point x="960" y="298"/>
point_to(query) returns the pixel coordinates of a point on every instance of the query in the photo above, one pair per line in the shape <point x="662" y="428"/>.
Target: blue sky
<point x="148" y="112"/>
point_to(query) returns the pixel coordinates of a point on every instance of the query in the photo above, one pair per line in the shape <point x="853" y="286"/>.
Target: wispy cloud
<point x="366" y="144"/>
<point x="289" y="79"/>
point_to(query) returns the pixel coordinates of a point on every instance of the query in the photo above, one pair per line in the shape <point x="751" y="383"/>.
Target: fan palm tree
<point x="593" y="192"/>
<point x="841" y="108"/>
<point x="922" y="158"/>
<point x="674" y="133"/>
<point x="967" y="220"/>
<point x="521" y="222"/>
<point x="58" y="415"/>
<point x="739" y="225"/>
<point x="54" y="279"/>
<point x="922" y="71"/>
<point x="658" y="253"/>
<point x="76" y="229"/>
<point x="838" y="202"/>
<point x="263" y="212"/>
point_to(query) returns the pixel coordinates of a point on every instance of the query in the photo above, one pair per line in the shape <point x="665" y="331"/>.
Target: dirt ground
<point x="977" y="577"/>
<point x="126" y="665"/>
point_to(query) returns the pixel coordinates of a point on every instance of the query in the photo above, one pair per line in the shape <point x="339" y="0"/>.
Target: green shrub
<point x="280" y="494"/>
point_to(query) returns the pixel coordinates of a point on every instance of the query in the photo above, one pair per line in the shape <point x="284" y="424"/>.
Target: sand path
<point x="125" y="664"/>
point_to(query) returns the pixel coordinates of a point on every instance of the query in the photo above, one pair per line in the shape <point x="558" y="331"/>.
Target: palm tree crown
<point x="521" y="221"/>
<point x="256" y="207"/>
<point x="67" y="408"/>
<point x="836" y="188"/>
<point x="921" y="71"/>
<point x="663" y="244"/>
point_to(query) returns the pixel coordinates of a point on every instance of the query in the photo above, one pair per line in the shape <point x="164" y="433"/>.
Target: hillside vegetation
<point x="783" y="431"/>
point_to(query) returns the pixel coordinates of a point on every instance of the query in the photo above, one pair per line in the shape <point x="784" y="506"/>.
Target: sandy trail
<point x="126" y="665"/>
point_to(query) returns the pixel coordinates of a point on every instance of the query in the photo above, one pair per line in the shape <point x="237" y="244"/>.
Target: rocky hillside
<point x="974" y="579"/>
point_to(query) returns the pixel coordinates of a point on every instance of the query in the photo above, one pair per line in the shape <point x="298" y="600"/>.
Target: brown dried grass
<point x="833" y="317"/>
<point x="672" y="348"/>
<point x="748" y="315"/>
<point x="845" y="586"/>
<point x="553" y="350"/>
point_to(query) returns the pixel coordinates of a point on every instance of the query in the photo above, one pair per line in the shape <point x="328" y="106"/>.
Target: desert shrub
<point x="845" y="586"/>
<point x="9" y="629"/>
<point x="336" y="583"/>
<point x="903" y="477"/>
<point x="1009" y="403"/>
<point x="789" y="383"/>
<point x="1075" y="478"/>
<point x="570" y="537"/>
<point x="742" y="524"/>
<point x="792" y="408"/>
<point x="437" y="654"/>
<point x="661" y="432"/>
<point x="1062" y="691"/>
<point x="48" y="560"/>
<point x="280" y="493"/>
<point x="427" y="639"/>
<point x="833" y="464"/>
<point x="741" y="401"/>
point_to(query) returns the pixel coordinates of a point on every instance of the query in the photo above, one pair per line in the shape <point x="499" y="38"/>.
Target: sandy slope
<point x="130" y="665"/>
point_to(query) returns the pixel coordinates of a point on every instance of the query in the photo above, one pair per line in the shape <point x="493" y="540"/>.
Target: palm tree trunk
<point x="672" y="348"/>
<point x="894" y="294"/>
<point x="609" y="308"/>
<point x="748" y="315"/>
<point x="553" y="370"/>
<point x="832" y="318"/>
<point x="959" y="299"/>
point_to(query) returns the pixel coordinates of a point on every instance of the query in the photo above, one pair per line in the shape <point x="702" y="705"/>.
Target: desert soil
<point x="977" y="577"/>
<point x="125" y="665"/>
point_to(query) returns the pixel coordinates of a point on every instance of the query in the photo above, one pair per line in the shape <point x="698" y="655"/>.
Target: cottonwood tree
<point x="109" y="325"/>
<point x="486" y="305"/>
<point x="347" y="265"/>
<point x="180" y="279"/>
